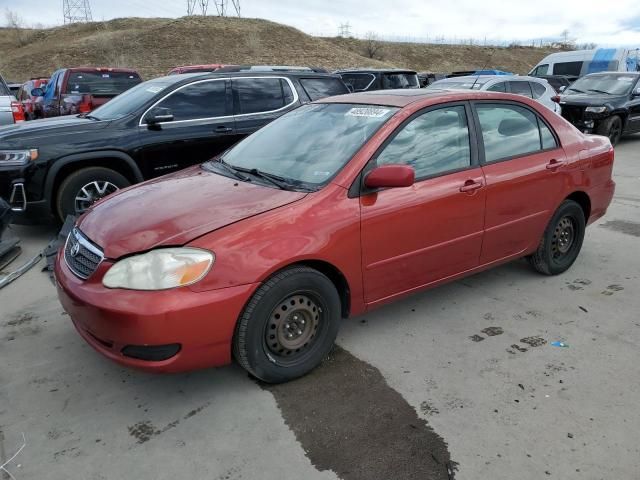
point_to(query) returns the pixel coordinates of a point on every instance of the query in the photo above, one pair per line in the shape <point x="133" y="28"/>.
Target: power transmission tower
<point x="223" y="5"/>
<point x="202" y="4"/>
<point x="74" y="11"/>
<point x="344" y="30"/>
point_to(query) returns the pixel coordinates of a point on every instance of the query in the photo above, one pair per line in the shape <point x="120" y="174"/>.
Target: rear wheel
<point x="84" y="187"/>
<point x="561" y="241"/>
<point x="612" y="128"/>
<point x="288" y="326"/>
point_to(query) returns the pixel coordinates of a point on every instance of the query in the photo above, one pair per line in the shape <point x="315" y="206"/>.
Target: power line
<point x="74" y="11"/>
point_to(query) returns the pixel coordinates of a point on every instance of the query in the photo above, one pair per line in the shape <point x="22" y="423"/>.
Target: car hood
<point x="49" y="127"/>
<point x="591" y="100"/>
<point x="175" y="209"/>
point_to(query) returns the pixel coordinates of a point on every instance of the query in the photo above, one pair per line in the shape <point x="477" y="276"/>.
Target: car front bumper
<point x="201" y="324"/>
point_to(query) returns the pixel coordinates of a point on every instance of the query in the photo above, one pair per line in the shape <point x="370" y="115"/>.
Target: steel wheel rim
<point x="564" y="236"/>
<point x="293" y="326"/>
<point x="91" y="193"/>
<point x="616" y="129"/>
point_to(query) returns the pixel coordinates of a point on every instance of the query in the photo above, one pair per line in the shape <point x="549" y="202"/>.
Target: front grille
<point x="81" y="256"/>
<point x="573" y="114"/>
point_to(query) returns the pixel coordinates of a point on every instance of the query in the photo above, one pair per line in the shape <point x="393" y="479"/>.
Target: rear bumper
<point x="601" y="198"/>
<point x="201" y="323"/>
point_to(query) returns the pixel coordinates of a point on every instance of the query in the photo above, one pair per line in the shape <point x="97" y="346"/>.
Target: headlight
<point x="160" y="269"/>
<point x="17" y="158"/>
<point x="596" y="109"/>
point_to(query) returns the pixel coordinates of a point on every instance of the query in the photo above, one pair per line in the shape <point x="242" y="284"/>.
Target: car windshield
<point x="610" y="84"/>
<point x="101" y="83"/>
<point x="466" y="84"/>
<point x="311" y="144"/>
<point x="130" y="101"/>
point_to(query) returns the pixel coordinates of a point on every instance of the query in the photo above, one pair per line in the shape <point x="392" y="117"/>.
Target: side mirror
<point x="390" y="176"/>
<point x="37" y="92"/>
<point x="562" y="89"/>
<point x="636" y="92"/>
<point x="159" y="115"/>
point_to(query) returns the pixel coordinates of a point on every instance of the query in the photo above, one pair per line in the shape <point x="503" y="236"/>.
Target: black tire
<point x="260" y="342"/>
<point x="561" y="241"/>
<point x="612" y="128"/>
<point x="72" y="185"/>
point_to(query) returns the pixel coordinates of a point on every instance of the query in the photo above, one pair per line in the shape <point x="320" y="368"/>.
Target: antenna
<point x="75" y="11"/>
<point x="483" y="68"/>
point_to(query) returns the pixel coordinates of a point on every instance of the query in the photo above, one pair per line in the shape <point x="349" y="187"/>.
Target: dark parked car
<point x="362" y="80"/>
<point x="61" y="166"/>
<point x="80" y="90"/>
<point x="212" y="67"/>
<point x="30" y="103"/>
<point x="605" y="103"/>
<point x="374" y="197"/>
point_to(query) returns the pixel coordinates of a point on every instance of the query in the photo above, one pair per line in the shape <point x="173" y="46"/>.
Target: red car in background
<point x="260" y="253"/>
<point x="32" y="108"/>
<point x="196" y="68"/>
<point x="79" y="90"/>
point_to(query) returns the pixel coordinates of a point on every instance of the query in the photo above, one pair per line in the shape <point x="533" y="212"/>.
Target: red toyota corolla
<point x="333" y="209"/>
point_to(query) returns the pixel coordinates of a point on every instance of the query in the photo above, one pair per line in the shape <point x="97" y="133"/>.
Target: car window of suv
<point x="541" y="69"/>
<point x="359" y="81"/>
<point x="510" y="131"/>
<point x="521" y="88"/>
<point x="258" y="95"/>
<point x="432" y="143"/>
<point x="197" y="100"/>
<point x="318" y="88"/>
<point x="498" y="87"/>
<point x="537" y="89"/>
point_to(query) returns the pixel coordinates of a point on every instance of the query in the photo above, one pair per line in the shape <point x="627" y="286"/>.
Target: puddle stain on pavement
<point x="348" y="420"/>
<point x="629" y="228"/>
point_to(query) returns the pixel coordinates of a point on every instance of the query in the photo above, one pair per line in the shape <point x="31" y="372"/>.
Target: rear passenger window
<point x="537" y="89"/>
<point x="511" y="131"/>
<point x="197" y="100"/>
<point x="359" y="81"/>
<point x="256" y="95"/>
<point x="498" y="87"/>
<point x="433" y="143"/>
<point x="318" y="88"/>
<point x="521" y="88"/>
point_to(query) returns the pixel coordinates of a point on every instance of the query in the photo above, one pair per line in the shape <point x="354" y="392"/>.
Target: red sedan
<point x="336" y="208"/>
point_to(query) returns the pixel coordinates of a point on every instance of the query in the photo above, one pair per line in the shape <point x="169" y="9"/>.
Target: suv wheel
<point x="84" y="187"/>
<point x="612" y="128"/>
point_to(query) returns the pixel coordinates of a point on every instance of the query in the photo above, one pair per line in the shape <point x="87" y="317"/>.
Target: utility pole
<point x="344" y="30"/>
<point x="75" y="11"/>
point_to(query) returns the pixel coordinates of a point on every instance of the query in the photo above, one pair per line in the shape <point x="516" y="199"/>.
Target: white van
<point x="581" y="62"/>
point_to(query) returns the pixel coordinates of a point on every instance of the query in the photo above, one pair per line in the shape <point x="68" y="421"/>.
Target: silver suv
<point x="532" y="87"/>
<point x="6" y="98"/>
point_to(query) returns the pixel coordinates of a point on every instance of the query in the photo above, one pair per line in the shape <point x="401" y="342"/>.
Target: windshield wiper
<point x="599" y="91"/>
<point x="280" y="182"/>
<point x="231" y="169"/>
<point x="89" y="116"/>
<point x="575" y="90"/>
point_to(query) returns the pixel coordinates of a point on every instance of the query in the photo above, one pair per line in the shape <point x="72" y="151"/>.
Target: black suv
<point x="606" y="103"/>
<point x="60" y="166"/>
<point x="362" y="80"/>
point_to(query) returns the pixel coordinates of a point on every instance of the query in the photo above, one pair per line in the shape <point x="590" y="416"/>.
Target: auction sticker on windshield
<point x="370" y="112"/>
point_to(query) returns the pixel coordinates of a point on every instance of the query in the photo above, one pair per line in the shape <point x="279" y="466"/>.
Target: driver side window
<point x="432" y="143"/>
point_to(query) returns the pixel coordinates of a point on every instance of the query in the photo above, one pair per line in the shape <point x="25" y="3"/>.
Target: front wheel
<point x="612" y="128"/>
<point x="84" y="187"/>
<point x="289" y="325"/>
<point x="561" y="241"/>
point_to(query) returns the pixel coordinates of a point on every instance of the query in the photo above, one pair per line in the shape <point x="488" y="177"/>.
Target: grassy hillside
<point x="153" y="46"/>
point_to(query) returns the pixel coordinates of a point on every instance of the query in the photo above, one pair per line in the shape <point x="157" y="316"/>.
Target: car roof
<point x="376" y="70"/>
<point x="629" y="74"/>
<point x="187" y="77"/>
<point x="487" y="78"/>
<point x="101" y="69"/>
<point x="403" y="97"/>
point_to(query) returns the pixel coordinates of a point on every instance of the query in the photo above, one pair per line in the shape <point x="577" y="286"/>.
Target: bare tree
<point x="15" y="23"/>
<point x="373" y="46"/>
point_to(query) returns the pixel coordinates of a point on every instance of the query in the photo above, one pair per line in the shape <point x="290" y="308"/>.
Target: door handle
<point x="223" y="129"/>
<point x="471" y="186"/>
<point x="553" y="164"/>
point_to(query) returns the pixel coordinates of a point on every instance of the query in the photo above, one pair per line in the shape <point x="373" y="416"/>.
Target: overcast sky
<point x="606" y="23"/>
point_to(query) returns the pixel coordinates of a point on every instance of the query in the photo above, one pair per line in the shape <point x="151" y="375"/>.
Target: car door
<point x="524" y="167"/>
<point x="51" y="95"/>
<point x="633" y="124"/>
<point x="260" y="100"/>
<point x="202" y="127"/>
<point x="415" y="236"/>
